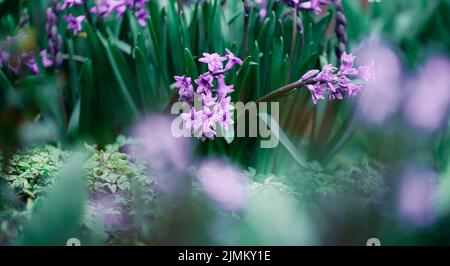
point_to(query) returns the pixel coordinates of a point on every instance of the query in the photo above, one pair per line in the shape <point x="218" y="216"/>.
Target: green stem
<point x="88" y="13"/>
<point x="285" y="90"/>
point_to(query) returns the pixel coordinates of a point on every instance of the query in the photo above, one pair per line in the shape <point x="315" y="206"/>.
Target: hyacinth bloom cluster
<point x="52" y="56"/>
<point x="16" y="58"/>
<point x="312" y="5"/>
<point x="75" y="23"/>
<point x="106" y="9"/>
<point x="338" y="82"/>
<point x="212" y="92"/>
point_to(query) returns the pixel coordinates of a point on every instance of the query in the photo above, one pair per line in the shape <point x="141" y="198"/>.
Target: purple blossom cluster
<point x="313" y="5"/>
<point x="52" y="56"/>
<point x="338" y="82"/>
<point x="15" y="58"/>
<point x="106" y="9"/>
<point x="213" y="95"/>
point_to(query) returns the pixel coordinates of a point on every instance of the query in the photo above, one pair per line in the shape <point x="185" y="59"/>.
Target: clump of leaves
<point x="123" y="199"/>
<point x="360" y="181"/>
<point x="29" y="173"/>
<point x="121" y="193"/>
<point x="111" y="170"/>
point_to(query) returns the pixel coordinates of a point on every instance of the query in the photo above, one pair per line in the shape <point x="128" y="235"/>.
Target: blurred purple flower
<point x="141" y="14"/>
<point x="15" y="57"/>
<point x="164" y="152"/>
<point x="263" y="8"/>
<point x="225" y="184"/>
<point x="29" y="61"/>
<point x="47" y="61"/>
<point x="74" y="23"/>
<point x="142" y="17"/>
<point x="107" y="8"/>
<point x="312" y="5"/>
<point x="108" y="208"/>
<point x="70" y="3"/>
<point x="102" y="8"/>
<point x="428" y="104"/>
<point x="51" y="56"/>
<point x="417" y="197"/>
<point x="382" y="96"/>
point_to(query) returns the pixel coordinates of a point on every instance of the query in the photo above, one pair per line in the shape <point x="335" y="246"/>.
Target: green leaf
<point x="281" y="136"/>
<point x="175" y="37"/>
<point x="191" y="67"/>
<point x="240" y="79"/>
<point x="120" y="79"/>
<point x="146" y="91"/>
<point x="86" y="96"/>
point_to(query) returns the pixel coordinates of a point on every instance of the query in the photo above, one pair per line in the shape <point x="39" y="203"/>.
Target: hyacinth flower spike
<point x="336" y="83"/>
<point x="216" y="111"/>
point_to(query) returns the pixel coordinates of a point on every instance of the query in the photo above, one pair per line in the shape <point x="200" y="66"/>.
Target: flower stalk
<point x="341" y="30"/>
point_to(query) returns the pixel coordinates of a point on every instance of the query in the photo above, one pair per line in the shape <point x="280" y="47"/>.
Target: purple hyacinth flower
<point x="233" y="60"/>
<point x="225" y="104"/>
<point x="337" y="94"/>
<point x="142" y="17"/>
<point x="193" y="120"/>
<point x="317" y="92"/>
<point x="185" y="88"/>
<point x="30" y="62"/>
<point x="102" y="8"/>
<point x="347" y="61"/>
<point x="207" y="99"/>
<point x="47" y="61"/>
<point x="327" y="74"/>
<point x="214" y="61"/>
<point x="222" y="88"/>
<point x="226" y="111"/>
<point x="120" y="7"/>
<point x="52" y="54"/>
<point x="70" y="3"/>
<point x="74" y="23"/>
<point x="141" y="14"/>
<point x="205" y="83"/>
<point x="210" y="117"/>
<point x="226" y="120"/>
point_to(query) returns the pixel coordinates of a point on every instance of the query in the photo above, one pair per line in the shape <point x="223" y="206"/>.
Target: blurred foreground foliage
<point x="124" y="207"/>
